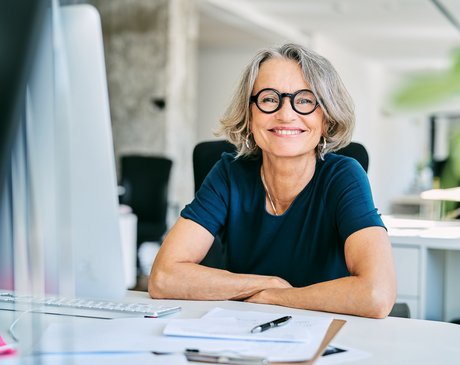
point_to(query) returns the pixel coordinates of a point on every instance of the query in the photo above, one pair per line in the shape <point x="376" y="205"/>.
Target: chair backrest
<point x="358" y="152"/>
<point x="146" y="182"/>
<point x="206" y="154"/>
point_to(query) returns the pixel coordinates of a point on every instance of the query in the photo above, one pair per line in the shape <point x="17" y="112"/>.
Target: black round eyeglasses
<point x="270" y="100"/>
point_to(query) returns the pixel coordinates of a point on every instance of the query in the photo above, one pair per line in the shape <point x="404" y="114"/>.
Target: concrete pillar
<point x="151" y="60"/>
<point x="181" y="123"/>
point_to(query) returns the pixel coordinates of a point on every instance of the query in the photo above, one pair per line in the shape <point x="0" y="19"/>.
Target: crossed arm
<point x="369" y="291"/>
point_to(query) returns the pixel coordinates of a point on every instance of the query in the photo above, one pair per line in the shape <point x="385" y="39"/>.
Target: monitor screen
<point x="20" y="24"/>
<point x="20" y="21"/>
<point x="59" y="214"/>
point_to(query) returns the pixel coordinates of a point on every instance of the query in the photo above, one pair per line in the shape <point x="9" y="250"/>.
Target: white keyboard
<point x="47" y="303"/>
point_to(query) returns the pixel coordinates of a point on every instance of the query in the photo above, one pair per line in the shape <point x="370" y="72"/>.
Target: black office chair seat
<point x="146" y="183"/>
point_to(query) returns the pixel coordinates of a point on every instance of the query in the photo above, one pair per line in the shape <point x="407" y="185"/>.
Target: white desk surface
<point x="389" y="341"/>
<point x="430" y="234"/>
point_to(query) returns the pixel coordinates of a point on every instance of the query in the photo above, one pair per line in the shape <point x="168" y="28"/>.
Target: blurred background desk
<point x="427" y="259"/>
<point x="413" y="205"/>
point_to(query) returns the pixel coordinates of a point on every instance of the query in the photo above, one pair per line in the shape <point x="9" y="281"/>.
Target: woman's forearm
<point x="369" y="290"/>
<point x="348" y="295"/>
<point x="198" y="282"/>
<point x="176" y="272"/>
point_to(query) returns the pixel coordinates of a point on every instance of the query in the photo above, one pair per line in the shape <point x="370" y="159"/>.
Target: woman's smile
<point x="283" y="132"/>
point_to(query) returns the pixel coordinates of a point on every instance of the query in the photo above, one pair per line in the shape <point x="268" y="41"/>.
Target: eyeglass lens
<point x="270" y="100"/>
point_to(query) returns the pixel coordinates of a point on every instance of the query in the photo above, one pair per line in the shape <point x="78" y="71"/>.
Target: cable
<point x="15" y="322"/>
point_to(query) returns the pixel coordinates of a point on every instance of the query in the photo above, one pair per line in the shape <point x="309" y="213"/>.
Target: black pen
<point x="275" y="323"/>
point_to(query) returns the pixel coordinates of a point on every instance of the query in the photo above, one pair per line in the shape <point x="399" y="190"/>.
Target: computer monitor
<point x="20" y="22"/>
<point x="59" y="210"/>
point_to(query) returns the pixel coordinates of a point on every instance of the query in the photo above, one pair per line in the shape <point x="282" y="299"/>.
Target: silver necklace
<point x="266" y="190"/>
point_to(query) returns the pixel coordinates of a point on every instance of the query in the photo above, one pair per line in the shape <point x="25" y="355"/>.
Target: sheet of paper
<point x="145" y="334"/>
<point x="237" y="325"/>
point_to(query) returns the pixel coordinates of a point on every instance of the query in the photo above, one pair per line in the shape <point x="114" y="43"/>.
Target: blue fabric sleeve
<point x="210" y="206"/>
<point x="355" y="207"/>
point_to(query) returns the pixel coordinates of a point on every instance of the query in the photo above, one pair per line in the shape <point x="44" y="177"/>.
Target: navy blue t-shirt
<point x="304" y="245"/>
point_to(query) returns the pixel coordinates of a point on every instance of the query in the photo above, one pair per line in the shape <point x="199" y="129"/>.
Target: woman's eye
<point x="269" y="100"/>
<point x="304" y="101"/>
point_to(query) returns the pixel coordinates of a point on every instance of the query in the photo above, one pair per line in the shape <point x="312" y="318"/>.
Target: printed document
<point x="131" y="335"/>
<point x="236" y="325"/>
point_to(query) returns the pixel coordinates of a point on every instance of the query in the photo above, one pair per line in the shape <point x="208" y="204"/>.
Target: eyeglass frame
<point x="291" y="96"/>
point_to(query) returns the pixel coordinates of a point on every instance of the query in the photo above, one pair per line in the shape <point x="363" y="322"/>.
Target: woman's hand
<point x="269" y="295"/>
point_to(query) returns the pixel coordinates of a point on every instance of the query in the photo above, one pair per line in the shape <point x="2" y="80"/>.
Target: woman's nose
<point x="286" y="113"/>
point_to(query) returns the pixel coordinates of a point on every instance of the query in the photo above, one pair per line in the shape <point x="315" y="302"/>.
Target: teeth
<point x="287" y="132"/>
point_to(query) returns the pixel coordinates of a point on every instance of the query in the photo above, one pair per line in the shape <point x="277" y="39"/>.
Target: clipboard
<point x="333" y="329"/>
<point x="214" y="358"/>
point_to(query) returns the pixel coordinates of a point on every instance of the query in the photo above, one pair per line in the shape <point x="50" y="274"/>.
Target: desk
<point x="389" y="341"/>
<point x="415" y="206"/>
<point x="427" y="259"/>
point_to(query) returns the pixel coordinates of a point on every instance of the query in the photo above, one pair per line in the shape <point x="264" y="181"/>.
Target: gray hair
<point x="324" y="81"/>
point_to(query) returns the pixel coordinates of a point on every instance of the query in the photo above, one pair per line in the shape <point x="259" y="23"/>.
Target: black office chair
<point x="146" y="182"/>
<point x="206" y="154"/>
<point x="400" y="310"/>
<point x="358" y="152"/>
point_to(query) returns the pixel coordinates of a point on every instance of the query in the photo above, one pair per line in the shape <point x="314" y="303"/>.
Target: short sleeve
<point x="210" y="206"/>
<point x="350" y="190"/>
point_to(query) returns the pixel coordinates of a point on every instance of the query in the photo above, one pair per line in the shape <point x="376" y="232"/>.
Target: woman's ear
<point x="325" y="127"/>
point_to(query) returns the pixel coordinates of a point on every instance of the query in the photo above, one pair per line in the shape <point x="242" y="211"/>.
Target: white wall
<point x="395" y="143"/>
<point x="219" y="69"/>
<point x="181" y="112"/>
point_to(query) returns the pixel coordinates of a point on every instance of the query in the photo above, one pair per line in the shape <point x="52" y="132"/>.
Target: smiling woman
<point x="312" y="74"/>
<point x="297" y="220"/>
